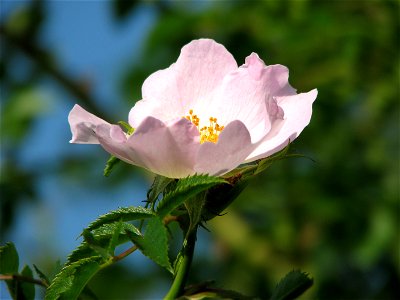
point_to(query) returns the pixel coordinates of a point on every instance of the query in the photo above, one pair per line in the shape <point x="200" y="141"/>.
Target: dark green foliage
<point x="26" y="289"/>
<point x="159" y="185"/>
<point x="9" y="260"/>
<point x="337" y="217"/>
<point x="292" y="286"/>
<point x="41" y="275"/>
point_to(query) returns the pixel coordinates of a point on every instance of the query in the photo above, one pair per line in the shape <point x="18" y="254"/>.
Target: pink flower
<point x="203" y="114"/>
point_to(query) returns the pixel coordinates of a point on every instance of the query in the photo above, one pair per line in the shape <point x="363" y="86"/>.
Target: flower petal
<point x="297" y="110"/>
<point x="247" y="95"/>
<point x="83" y="126"/>
<point x="170" y="93"/>
<point x="234" y="145"/>
<point x="165" y="150"/>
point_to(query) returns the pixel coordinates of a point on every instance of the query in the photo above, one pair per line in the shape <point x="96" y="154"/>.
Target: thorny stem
<point x="183" y="266"/>
<point x="25" y="279"/>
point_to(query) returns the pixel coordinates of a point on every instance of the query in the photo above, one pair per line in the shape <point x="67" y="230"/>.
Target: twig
<point x="25" y="279"/>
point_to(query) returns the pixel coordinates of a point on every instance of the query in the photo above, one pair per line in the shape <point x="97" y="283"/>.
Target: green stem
<point x="183" y="267"/>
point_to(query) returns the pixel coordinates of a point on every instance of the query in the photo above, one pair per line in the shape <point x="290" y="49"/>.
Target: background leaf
<point x="292" y="286"/>
<point x="27" y="288"/>
<point x="9" y="260"/>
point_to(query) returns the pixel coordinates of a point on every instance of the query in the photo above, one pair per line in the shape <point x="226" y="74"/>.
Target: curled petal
<point x="83" y="126"/>
<point x="165" y="150"/>
<point x="234" y="145"/>
<point x="297" y="110"/>
<point x="248" y="95"/>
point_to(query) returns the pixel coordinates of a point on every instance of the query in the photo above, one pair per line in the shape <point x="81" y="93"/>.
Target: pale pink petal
<point x="187" y="84"/>
<point x="83" y="126"/>
<point x="200" y="69"/>
<point x="277" y="76"/>
<point x="297" y="110"/>
<point x="166" y="150"/>
<point x="161" y="98"/>
<point x="247" y="95"/>
<point x="234" y="145"/>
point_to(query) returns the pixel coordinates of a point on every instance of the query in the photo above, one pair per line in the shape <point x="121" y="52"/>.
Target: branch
<point x="25" y="279"/>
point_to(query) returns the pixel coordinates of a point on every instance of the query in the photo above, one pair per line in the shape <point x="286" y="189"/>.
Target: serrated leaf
<point x="69" y="283"/>
<point x="110" y="164"/>
<point x="292" y="286"/>
<point x="96" y="245"/>
<point x="154" y="243"/>
<point x="158" y="186"/>
<point x="124" y="214"/>
<point x="103" y="236"/>
<point x="41" y="275"/>
<point x="114" y="238"/>
<point x="27" y="288"/>
<point x="9" y="260"/>
<point x="185" y="189"/>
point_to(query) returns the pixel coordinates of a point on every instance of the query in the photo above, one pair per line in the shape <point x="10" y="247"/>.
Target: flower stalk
<point x="182" y="268"/>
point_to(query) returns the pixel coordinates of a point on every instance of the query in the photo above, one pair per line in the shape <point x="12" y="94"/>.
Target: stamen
<point x="208" y="133"/>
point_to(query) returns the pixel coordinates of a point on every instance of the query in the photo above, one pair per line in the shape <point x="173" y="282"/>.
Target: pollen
<point x="208" y="133"/>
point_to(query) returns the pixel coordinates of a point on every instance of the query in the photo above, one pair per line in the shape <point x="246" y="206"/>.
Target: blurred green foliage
<point x="338" y="218"/>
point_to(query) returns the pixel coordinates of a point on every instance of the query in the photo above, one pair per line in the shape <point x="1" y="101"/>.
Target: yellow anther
<point x="208" y="133"/>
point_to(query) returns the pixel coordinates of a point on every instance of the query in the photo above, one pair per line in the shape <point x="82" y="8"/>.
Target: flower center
<point x="208" y="133"/>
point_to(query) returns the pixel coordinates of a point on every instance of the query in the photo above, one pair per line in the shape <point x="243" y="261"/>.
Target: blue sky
<point x="88" y="44"/>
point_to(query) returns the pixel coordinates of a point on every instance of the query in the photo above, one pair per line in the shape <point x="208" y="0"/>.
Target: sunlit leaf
<point x="154" y="242"/>
<point x="69" y="283"/>
<point x="185" y="189"/>
<point x="103" y="236"/>
<point x="124" y="214"/>
<point x="111" y="163"/>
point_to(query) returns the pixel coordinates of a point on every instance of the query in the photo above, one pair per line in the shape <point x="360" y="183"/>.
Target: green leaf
<point x="185" y="189"/>
<point x="103" y="236"/>
<point x="111" y="162"/>
<point x="194" y="206"/>
<point x="124" y="214"/>
<point x="41" y="275"/>
<point x="9" y="260"/>
<point x="220" y="197"/>
<point x="292" y="286"/>
<point x="96" y="245"/>
<point x="114" y="240"/>
<point x="69" y="283"/>
<point x="158" y="186"/>
<point x="154" y="243"/>
<point x="27" y="288"/>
